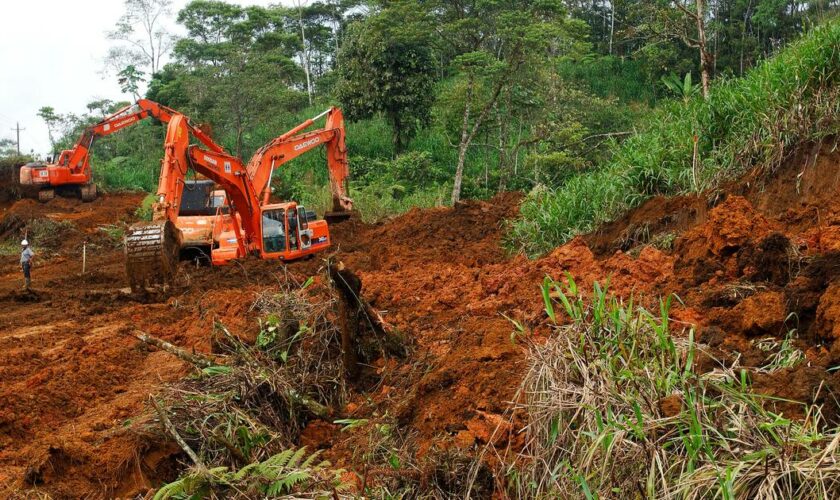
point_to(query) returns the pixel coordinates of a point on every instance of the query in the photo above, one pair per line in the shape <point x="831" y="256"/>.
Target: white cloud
<point x="52" y="54"/>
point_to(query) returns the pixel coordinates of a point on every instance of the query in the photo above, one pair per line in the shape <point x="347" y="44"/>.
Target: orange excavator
<point x="245" y="223"/>
<point x="72" y="172"/>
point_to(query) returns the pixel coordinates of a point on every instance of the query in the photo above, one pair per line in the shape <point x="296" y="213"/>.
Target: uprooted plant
<point x="617" y="407"/>
<point x="244" y="408"/>
<point x="242" y="412"/>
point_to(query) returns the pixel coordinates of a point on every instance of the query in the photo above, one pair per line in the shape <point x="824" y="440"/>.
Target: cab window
<point x="303" y="222"/>
<point x="274" y="231"/>
<point x="217" y="201"/>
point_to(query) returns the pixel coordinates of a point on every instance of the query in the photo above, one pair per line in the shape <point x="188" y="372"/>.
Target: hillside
<point x="747" y="262"/>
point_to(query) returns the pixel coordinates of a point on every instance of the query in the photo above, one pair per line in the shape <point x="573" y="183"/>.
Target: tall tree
<point x="235" y="67"/>
<point x="697" y="15"/>
<point x="129" y="79"/>
<point x="142" y="35"/>
<point x="8" y="148"/>
<point x="304" y="53"/>
<point x="54" y="123"/>
<point x="388" y="66"/>
<point x="489" y="43"/>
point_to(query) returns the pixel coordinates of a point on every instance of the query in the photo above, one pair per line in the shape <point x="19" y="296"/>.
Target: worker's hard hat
<point x="24" y="243"/>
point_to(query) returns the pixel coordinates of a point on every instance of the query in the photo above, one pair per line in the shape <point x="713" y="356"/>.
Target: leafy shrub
<point x="48" y="234"/>
<point x="127" y="173"/>
<point x="410" y="170"/>
<point x="378" y="201"/>
<point x="610" y="76"/>
<point x="144" y="211"/>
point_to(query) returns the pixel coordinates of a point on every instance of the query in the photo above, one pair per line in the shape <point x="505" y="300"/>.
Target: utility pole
<point x="17" y="129"/>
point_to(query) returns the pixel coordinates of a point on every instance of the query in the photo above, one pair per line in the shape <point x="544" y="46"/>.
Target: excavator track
<point x="151" y="254"/>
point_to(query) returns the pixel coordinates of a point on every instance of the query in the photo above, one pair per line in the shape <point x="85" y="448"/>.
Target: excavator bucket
<point x="151" y="251"/>
<point x="336" y="217"/>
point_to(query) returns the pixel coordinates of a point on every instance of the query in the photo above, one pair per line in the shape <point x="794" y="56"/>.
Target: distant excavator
<point x="236" y="220"/>
<point x="71" y="173"/>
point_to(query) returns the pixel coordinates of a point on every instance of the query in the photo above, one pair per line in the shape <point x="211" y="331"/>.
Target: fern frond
<point x="311" y="459"/>
<point x="295" y="460"/>
<point x="244" y="471"/>
<point x="280" y="459"/>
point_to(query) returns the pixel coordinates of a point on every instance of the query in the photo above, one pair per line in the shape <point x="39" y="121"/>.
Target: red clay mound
<point x="751" y="265"/>
<point x="738" y="269"/>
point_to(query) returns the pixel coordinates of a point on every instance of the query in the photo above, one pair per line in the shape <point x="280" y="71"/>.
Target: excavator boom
<point x="294" y="143"/>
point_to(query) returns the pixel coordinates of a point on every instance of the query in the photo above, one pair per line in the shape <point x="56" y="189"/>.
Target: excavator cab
<point x="287" y="232"/>
<point x="290" y="232"/>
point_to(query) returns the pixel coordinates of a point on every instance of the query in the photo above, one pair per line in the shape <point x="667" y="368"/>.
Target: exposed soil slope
<point x="750" y="262"/>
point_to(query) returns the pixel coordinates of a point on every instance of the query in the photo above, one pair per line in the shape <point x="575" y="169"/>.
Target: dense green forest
<point x="589" y="106"/>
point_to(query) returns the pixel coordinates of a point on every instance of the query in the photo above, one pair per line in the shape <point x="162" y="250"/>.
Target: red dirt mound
<point x="739" y="270"/>
<point x="468" y="234"/>
<point x="752" y="262"/>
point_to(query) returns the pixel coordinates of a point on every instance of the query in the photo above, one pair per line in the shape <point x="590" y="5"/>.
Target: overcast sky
<point x="52" y="54"/>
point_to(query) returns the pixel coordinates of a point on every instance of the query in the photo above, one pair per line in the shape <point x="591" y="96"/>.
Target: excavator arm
<point x="152" y="248"/>
<point x="294" y="143"/>
<point x="225" y="170"/>
<point x="76" y="158"/>
<point x="72" y="167"/>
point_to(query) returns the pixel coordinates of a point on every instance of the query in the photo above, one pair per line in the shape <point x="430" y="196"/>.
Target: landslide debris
<point x="752" y="262"/>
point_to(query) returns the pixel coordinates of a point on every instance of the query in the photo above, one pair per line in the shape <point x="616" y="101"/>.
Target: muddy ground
<point x="749" y="262"/>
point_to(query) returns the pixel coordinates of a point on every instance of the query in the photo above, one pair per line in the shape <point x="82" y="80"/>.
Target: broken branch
<point x="177" y="437"/>
<point x="194" y="359"/>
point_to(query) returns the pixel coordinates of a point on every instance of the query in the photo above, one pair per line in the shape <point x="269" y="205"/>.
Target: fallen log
<point x="194" y="359"/>
<point x="350" y="286"/>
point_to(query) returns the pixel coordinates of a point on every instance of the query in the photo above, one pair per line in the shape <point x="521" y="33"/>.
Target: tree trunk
<point x="466" y="138"/>
<point x="705" y="57"/>
<point x="398" y="134"/>
<point x="504" y="140"/>
<point x="744" y="36"/>
<point x="239" y="131"/>
<point x="612" y="24"/>
<point x="463" y="144"/>
<point x="304" y="56"/>
<point x="503" y="173"/>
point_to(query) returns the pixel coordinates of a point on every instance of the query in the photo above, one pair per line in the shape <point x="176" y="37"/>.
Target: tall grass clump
<point x="376" y="202"/>
<point x="755" y="121"/>
<point x="381" y="188"/>
<point x="618" y="408"/>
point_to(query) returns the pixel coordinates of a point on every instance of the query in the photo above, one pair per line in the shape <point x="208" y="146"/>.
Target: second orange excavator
<point x="245" y="223"/>
<point x="71" y="171"/>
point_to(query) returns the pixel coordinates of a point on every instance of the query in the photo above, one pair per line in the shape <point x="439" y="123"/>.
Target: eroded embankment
<point x="753" y="261"/>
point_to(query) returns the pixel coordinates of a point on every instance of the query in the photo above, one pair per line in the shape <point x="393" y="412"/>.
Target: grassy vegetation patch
<point x="127" y="173"/>
<point x="758" y="120"/>
<point x="617" y="407"/>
